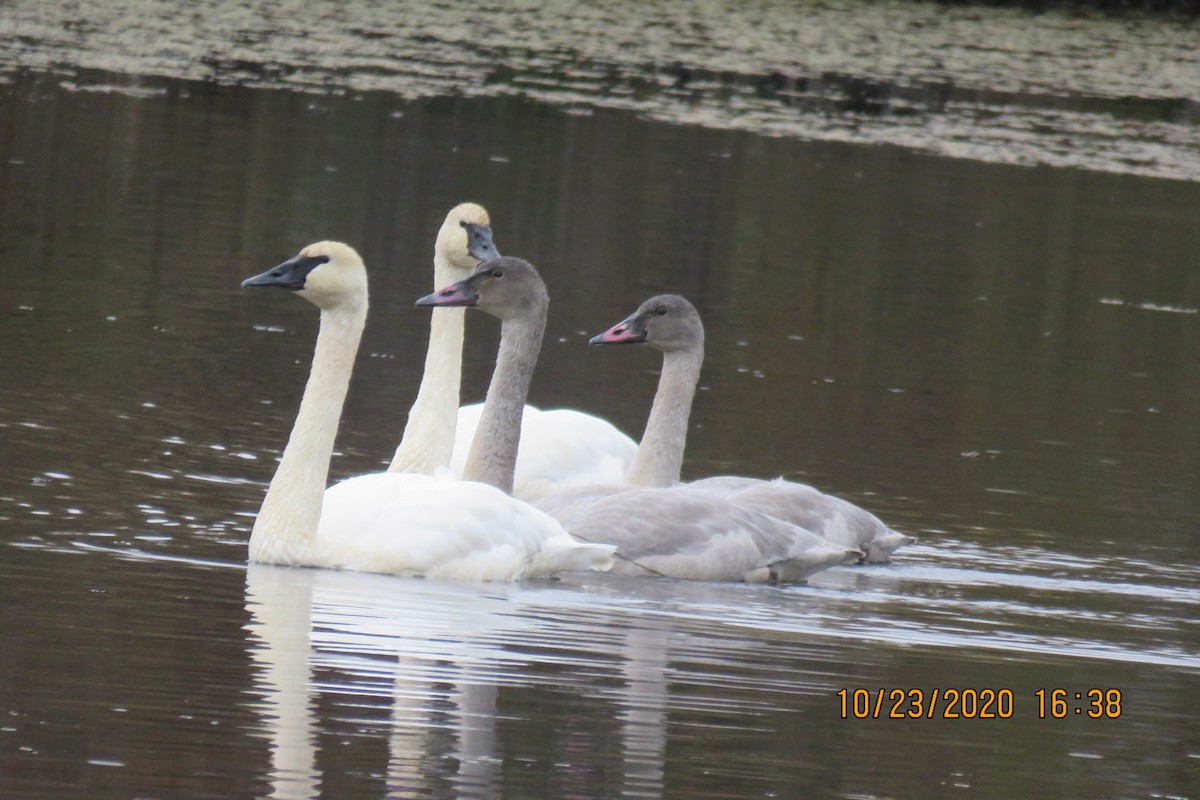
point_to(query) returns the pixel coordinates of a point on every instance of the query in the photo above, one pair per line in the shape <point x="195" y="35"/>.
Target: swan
<point x="392" y="522"/>
<point x="680" y="532"/>
<point x="670" y="324"/>
<point x="661" y="528"/>
<point x="463" y="241"/>
<point x="558" y="447"/>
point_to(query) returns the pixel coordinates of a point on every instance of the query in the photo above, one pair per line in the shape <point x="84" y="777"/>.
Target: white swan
<point x="671" y="324"/>
<point x="559" y="447"/>
<point x="391" y="522"/>
<point x="463" y="241"/>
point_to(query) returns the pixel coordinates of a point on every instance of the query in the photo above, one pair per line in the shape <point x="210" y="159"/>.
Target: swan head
<point x="327" y="274"/>
<point x="666" y="322"/>
<point x="505" y="287"/>
<point x="465" y="238"/>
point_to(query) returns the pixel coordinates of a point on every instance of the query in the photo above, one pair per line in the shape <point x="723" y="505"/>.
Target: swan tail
<point x="810" y="562"/>
<point x="879" y="550"/>
<point x="568" y="555"/>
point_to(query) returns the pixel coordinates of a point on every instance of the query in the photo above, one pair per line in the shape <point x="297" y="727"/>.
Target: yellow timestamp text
<point x="1095" y="703"/>
<point x="926" y="703"/>
<point x="952" y="703"/>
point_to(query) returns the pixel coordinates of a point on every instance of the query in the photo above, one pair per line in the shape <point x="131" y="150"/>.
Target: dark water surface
<point x="1003" y="360"/>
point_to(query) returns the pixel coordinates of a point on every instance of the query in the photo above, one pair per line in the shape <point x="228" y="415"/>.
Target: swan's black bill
<point x="291" y="274"/>
<point x="479" y="241"/>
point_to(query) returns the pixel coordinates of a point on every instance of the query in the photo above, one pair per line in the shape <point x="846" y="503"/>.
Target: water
<point x="1000" y="359"/>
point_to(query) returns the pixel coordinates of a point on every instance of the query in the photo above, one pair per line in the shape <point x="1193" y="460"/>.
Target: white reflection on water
<point x="1114" y="301"/>
<point x="455" y="681"/>
<point x="952" y="595"/>
<point x="438" y="653"/>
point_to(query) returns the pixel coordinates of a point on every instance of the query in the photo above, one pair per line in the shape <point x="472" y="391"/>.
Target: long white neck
<point x="286" y="527"/>
<point x="428" y="440"/>
<point x="493" y="455"/>
<point x="660" y="453"/>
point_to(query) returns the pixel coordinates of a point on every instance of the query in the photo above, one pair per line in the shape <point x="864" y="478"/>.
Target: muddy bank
<point x="995" y="84"/>
<point x="1187" y="8"/>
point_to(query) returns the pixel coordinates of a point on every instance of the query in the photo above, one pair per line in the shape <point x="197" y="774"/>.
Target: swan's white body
<point x="395" y="523"/>
<point x="671" y="324"/>
<point x="458" y="530"/>
<point x="558" y="448"/>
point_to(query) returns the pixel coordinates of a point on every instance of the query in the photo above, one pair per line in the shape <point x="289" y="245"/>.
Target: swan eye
<point x="660" y="311"/>
<point x="497" y="273"/>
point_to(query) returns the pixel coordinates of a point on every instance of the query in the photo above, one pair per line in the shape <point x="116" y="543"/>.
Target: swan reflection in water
<point x="439" y="655"/>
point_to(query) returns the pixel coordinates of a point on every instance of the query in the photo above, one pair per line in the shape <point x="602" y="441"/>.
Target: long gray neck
<point x="285" y="529"/>
<point x="428" y="440"/>
<point x="493" y="455"/>
<point x="660" y="453"/>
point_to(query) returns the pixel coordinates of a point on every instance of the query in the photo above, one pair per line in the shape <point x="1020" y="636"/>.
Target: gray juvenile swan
<point x="558" y="447"/>
<point x="392" y="522"/>
<point x="677" y="531"/>
<point x="670" y="324"/>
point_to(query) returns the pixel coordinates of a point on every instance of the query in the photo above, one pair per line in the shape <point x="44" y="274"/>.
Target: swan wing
<point x="724" y="483"/>
<point x="562" y="448"/>
<point x="694" y="535"/>
<point x="838" y="521"/>
<point x="421" y="525"/>
<point x="464" y="432"/>
<point x="575" y="497"/>
<point x="559" y="448"/>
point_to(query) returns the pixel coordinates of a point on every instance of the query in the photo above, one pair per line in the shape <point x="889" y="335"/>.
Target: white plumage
<point x="558" y="448"/>
<point x="441" y="528"/>
<point x="389" y="522"/>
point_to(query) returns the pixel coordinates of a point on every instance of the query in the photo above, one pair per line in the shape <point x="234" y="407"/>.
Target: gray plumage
<point x="511" y="290"/>
<point x="681" y="533"/>
<point x="719" y="526"/>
